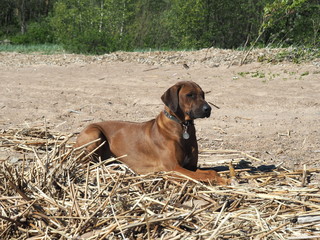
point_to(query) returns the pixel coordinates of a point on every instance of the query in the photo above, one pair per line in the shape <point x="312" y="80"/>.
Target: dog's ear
<point x="171" y="97"/>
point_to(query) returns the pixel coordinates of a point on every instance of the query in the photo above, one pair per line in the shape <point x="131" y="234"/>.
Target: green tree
<point x="90" y="26"/>
<point x="226" y="24"/>
<point x="292" y="22"/>
<point x="17" y="15"/>
<point x="148" y="28"/>
<point x="99" y="26"/>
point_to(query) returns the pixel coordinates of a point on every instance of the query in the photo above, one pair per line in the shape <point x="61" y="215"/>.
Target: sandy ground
<point x="269" y="110"/>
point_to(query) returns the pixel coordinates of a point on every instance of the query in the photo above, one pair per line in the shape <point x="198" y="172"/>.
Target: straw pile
<point x="49" y="194"/>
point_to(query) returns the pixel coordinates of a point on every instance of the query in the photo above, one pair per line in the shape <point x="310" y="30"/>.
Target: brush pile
<point x="46" y="192"/>
<point x="211" y="57"/>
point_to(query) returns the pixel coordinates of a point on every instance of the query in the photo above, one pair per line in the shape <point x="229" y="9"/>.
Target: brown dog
<point x="167" y="143"/>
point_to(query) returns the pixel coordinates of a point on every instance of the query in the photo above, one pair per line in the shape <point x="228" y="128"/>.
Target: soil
<point x="271" y="110"/>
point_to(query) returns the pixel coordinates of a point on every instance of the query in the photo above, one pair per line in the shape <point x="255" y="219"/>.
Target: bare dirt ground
<point x="270" y="110"/>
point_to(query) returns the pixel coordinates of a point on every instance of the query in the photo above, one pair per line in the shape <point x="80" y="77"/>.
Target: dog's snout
<point x="206" y="108"/>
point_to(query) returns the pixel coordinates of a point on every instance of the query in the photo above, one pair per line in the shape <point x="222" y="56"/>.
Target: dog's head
<point x="186" y="100"/>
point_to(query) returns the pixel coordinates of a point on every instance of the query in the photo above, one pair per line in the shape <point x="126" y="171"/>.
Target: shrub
<point x="37" y="33"/>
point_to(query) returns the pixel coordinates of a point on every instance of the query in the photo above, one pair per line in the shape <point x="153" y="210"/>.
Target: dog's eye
<point x="190" y="95"/>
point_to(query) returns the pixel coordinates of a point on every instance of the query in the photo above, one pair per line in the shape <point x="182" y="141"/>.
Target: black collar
<point x="185" y="124"/>
<point x="173" y="118"/>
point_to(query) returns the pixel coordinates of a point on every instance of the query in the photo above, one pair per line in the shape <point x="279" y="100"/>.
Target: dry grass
<point x="46" y="193"/>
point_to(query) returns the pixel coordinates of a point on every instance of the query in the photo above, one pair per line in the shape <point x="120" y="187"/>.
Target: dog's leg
<point x="90" y="134"/>
<point x="204" y="175"/>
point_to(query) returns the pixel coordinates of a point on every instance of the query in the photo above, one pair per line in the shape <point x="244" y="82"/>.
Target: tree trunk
<point x="23" y="25"/>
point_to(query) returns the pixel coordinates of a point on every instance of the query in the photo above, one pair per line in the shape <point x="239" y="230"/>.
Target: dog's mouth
<point x="198" y="114"/>
<point x="204" y="115"/>
<point x="201" y="112"/>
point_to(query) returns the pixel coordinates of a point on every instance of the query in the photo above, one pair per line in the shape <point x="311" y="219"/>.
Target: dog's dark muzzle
<point x="206" y="109"/>
<point x="203" y="111"/>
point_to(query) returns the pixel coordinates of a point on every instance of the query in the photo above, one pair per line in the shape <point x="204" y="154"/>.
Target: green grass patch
<point x="260" y="74"/>
<point x="36" y="48"/>
<point x="243" y="74"/>
<point x="56" y="49"/>
<point x="293" y="54"/>
<point x="256" y="74"/>
<point x="305" y="73"/>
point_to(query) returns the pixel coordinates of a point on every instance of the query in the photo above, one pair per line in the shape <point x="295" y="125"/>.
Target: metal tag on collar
<point x="185" y="134"/>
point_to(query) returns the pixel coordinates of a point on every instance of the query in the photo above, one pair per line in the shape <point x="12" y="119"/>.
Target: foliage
<point x="295" y="22"/>
<point x="38" y="33"/>
<point x="100" y="26"/>
<point x="225" y="24"/>
<point x="298" y="54"/>
<point x="89" y="26"/>
<point x="148" y="24"/>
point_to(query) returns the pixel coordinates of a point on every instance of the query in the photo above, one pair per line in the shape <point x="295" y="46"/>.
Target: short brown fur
<point x="157" y="145"/>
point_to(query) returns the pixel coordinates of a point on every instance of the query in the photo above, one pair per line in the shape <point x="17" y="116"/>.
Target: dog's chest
<point x="187" y="159"/>
<point x="189" y="151"/>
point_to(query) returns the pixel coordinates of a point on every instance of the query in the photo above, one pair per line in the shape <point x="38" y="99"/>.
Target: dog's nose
<point x="206" y="108"/>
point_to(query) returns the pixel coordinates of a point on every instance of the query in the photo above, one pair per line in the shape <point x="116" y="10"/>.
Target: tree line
<point x="100" y="26"/>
